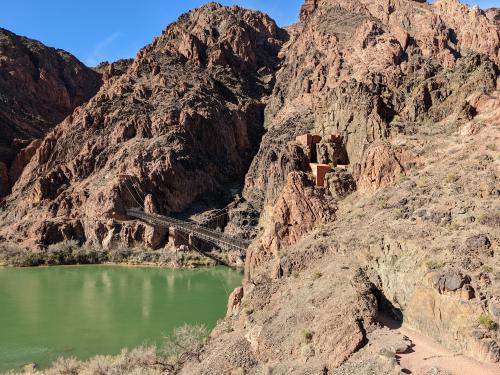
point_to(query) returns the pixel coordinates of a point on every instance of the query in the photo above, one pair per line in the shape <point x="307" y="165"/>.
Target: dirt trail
<point x="428" y="353"/>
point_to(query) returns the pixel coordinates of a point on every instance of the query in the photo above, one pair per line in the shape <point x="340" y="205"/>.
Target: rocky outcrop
<point x="40" y="86"/>
<point x="370" y="69"/>
<point x="234" y="302"/>
<point x="383" y="165"/>
<point x="184" y="119"/>
<point x="297" y="211"/>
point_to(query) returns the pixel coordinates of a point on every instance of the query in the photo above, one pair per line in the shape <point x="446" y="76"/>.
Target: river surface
<point x="82" y="311"/>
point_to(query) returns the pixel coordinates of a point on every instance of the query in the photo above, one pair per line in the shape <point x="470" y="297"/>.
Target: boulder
<point x="478" y="244"/>
<point x="450" y="281"/>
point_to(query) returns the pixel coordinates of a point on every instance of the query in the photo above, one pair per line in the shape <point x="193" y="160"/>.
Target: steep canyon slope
<point x="412" y="89"/>
<point x="185" y="118"/>
<point x="39" y="87"/>
<point x="406" y="225"/>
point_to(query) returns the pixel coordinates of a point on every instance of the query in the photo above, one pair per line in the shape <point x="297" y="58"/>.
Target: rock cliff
<point x="39" y="87"/>
<point x="412" y="91"/>
<point x="183" y="119"/>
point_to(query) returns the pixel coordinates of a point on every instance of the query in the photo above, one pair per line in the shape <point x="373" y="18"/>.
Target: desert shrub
<point x="65" y="366"/>
<point x="61" y="253"/>
<point x="307" y="335"/>
<point x="119" y="255"/>
<point x="422" y="182"/>
<point x="403" y="178"/>
<point x="487" y="322"/>
<point x="144" y="256"/>
<point x="185" y="343"/>
<point x="491" y="219"/>
<point x="451" y="178"/>
<point x="434" y="264"/>
<point x="16" y="256"/>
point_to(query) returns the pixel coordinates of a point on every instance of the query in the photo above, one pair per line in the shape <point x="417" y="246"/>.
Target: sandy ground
<point x="428" y="353"/>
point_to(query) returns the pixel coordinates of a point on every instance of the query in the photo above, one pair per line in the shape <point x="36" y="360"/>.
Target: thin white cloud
<point x="98" y="54"/>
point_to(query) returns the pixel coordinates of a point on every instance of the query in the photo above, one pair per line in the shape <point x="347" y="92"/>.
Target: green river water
<point x="82" y="311"/>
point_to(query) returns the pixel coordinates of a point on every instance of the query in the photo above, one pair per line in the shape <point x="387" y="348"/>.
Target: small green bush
<point x="487" y="322"/>
<point x="185" y="343"/>
<point x="451" y="178"/>
<point x="308" y="335"/>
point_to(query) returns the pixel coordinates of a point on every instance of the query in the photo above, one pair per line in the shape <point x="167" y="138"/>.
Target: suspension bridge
<point x="219" y="239"/>
<point x="189" y="228"/>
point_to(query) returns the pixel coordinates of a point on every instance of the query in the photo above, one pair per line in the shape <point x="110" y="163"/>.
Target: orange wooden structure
<point x="319" y="172"/>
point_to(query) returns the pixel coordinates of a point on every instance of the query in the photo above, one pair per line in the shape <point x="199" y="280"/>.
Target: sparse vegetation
<point x="383" y="202"/>
<point x="422" y="182"/>
<point x="317" y="275"/>
<point x="70" y="253"/>
<point x="487" y="269"/>
<point x="487" y="322"/>
<point x="184" y="344"/>
<point x="491" y="147"/>
<point x="451" y="178"/>
<point x="403" y="178"/>
<point x="491" y="219"/>
<point x="308" y="335"/>
<point x="434" y="264"/>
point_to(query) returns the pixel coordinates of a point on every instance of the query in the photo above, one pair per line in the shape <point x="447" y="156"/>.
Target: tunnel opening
<point x="387" y="312"/>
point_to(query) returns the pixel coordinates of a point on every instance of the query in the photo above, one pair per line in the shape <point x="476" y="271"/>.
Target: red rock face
<point x="40" y="86"/>
<point x="382" y="166"/>
<point x="187" y="115"/>
<point x="366" y="69"/>
<point x="184" y="119"/>
<point x="298" y="209"/>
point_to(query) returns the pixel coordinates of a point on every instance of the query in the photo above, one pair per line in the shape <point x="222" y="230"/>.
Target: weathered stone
<point x="383" y="165"/>
<point x="340" y="183"/>
<point x="40" y="86"/>
<point x="478" y="244"/>
<point x="155" y="237"/>
<point x="150" y="205"/>
<point x="452" y="281"/>
<point x="234" y="301"/>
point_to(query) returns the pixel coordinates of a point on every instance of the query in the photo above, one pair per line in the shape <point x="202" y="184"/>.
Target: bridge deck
<point x="217" y="238"/>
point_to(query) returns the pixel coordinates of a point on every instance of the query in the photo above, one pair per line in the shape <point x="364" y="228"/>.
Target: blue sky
<point x="97" y="30"/>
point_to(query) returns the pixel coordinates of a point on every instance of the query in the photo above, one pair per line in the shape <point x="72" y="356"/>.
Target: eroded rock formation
<point x="185" y="118"/>
<point x="39" y="87"/>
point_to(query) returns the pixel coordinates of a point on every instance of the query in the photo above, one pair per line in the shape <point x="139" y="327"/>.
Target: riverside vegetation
<point x="185" y="343"/>
<point x="71" y="253"/>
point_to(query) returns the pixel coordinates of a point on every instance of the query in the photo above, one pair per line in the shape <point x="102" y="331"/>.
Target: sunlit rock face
<point x="184" y="118"/>
<point x="39" y="87"/>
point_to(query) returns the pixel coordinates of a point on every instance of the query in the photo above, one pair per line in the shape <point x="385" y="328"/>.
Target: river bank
<point x="71" y="253"/>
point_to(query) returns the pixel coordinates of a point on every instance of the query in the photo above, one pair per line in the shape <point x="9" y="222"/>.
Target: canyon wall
<point x="184" y="118"/>
<point x="39" y="87"/>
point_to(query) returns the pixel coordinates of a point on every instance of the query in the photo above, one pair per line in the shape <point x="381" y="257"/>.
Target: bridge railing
<point x="206" y="234"/>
